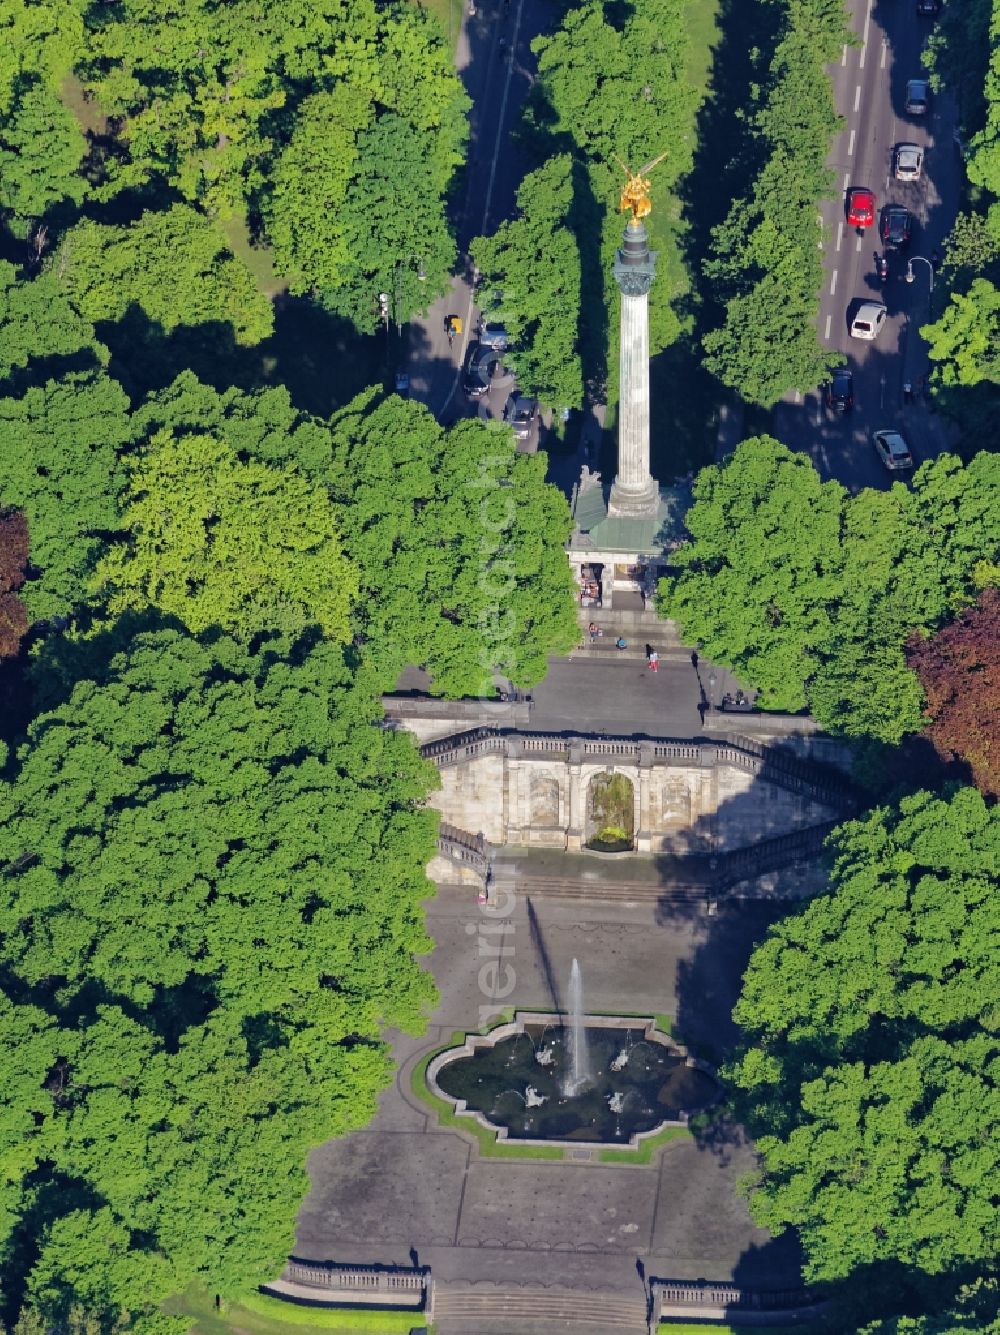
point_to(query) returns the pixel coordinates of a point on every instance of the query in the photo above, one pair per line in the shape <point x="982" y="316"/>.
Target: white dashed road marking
<point x="840" y="234"/>
<point x="833" y="283"/>
<point x="857" y="97"/>
<point x="829" y="319"/>
<point x="850" y="144"/>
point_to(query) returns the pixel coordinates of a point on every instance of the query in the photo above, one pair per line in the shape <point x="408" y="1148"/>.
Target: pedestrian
<point x="503" y="47"/>
<point x="907" y="392"/>
<point x="935" y="258"/>
<point x="654" y="661"/>
<point x="621" y="642"/>
<point x="594" y="632"/>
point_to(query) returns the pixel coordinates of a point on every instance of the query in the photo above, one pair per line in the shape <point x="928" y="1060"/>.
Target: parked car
<point x="868" y="320"/>
<point x="493" y="334"/>
<point x="929" y="8"/>
<point x="908" y="162"/>
<point x="918" y="97"/>
<point x="839" y="393"/>
<point x="520" y="413"/>
<point x="402" y="384"/>
<point x="896" y="226"/>
<point x="479" y="370"/>
<point x="893" y="450"/>
<point x="860" y="207"/>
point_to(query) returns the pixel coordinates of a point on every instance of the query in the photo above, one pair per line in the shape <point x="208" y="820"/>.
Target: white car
<point x="893" y="450"/>
<point x="908" y="162"/>
<point x="868" y="320"/>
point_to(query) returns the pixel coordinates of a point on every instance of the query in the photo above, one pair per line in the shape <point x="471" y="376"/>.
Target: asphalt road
<point x="495" y="62"/>
<point x="870" y="89"/>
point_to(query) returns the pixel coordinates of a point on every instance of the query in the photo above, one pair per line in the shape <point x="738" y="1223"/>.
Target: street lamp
<point x="910" y="275"/>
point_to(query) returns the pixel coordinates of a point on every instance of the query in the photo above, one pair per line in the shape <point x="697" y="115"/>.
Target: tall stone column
<point x="634" y="493"/>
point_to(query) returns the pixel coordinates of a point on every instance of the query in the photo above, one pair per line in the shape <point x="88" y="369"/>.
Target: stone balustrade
<point x="327" y="1282"/>
<point x="730" y="1302"/>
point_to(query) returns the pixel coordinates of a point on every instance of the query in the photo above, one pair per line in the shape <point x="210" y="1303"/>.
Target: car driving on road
<point x="868" y="320"/>
<point x="908" y="162"/>
<point x="860" y="207"/>
<point x="493" y="334"/>
<point x="479" y="370"/>
<point x="840" y="391"/>
<point x="896" y="226"/>
<point x="520" y="413"/>
<point x="918" y="97"/>
<point x="893" y="450"/>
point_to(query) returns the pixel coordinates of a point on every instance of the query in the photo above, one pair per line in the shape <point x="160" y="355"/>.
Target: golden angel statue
<point x="635" y="192"/>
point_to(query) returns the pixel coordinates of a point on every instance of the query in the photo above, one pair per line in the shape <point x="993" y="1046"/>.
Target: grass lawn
<point x="256" y="258"/>
<point x="449" y="12"/>
<point x="270" y="1316"/>
<point x="700" y="1327"/>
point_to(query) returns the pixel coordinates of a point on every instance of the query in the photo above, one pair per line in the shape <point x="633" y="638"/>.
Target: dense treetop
<point x="173" y="266"/>
<point x="871" y="1067"/>
<point x="534" y="262"/>
<point x="60" y="444"/>
<point x="959" y="670"/>
<point x="766" y="268"/>
<point x="812" y="594"/>
<point x="196" y="955"/>
<point x="218" y="541"/>
<point x="458" y="543"/>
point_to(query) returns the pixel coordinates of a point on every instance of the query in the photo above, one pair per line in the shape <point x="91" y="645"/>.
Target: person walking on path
<point x="595" y="631"/>
<point x="621" y="642"/>
<point x="654" y="661"/>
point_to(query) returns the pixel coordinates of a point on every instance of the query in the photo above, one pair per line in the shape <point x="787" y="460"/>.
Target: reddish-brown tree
<point x="959" y="669"/>
<point x="13" y="564"/>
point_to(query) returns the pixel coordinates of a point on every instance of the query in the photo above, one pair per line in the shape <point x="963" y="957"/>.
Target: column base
<point x="631" y="504"/>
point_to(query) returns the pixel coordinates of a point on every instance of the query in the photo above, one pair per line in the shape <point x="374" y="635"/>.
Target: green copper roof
<point x="594" y="530"/>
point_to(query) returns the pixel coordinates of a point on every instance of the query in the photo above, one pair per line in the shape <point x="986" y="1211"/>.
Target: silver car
<point x="918" y="97"/>
<point x="868" y="320"/>
<point x="893" y="450"/>
<point x="908" y="162"/>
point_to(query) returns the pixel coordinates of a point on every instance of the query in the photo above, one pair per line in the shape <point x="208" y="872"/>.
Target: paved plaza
<point x="404" y="1188"/>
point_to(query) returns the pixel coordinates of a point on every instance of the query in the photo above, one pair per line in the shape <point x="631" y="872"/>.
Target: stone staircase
<point x="514" y="1311"/>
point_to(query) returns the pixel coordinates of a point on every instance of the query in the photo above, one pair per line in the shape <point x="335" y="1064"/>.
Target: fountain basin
<point x="659" y="1084"/>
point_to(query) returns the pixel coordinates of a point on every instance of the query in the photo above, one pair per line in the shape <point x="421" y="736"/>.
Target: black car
<point x="896" y="226"/>
<point x="840" y="391"/>
<point x="479" y="370"/>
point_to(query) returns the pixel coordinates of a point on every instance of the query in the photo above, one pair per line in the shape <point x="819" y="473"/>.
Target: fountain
<point x="586" y="1093"/>
<point x="579" y="1072"/>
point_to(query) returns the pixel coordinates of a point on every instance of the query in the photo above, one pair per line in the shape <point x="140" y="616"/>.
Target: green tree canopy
<point x="870" y="1064"/>
<point x="218" y="541"/>
<point x="60" y="445"/>
<point x="812" y="594"/>
<point x="965" y="342"/>
<point x="533" y="263"/>
<point x="766" y="268"/>
<point x="38" y="324"/>
<point x="175" y="266"/>
<point x="41" y="149"/>
<point x="460" y="544"/>
<point x="198" y="964"/>
<point x="457" y="540"/>
<point x="616" y="82"/>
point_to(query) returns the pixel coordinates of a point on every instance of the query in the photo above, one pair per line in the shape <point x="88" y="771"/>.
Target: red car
<point x="860" y="208"/>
